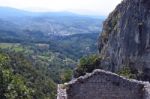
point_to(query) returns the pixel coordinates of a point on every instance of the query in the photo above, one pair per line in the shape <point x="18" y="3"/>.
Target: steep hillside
<point x="58" y="55"/>
<point x="125" y="39"/>
<point x="20" y="78"/>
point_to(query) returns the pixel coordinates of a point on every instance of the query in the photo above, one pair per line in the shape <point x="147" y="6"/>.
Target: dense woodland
<point x="33" y="69"/>
<point x="21" y="80"/>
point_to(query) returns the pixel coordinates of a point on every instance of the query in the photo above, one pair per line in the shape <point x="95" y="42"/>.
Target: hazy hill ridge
<point x="23" y="24"/>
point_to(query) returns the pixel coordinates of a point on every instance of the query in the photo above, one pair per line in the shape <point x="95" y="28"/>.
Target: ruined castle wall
<point x="105" y="85"/>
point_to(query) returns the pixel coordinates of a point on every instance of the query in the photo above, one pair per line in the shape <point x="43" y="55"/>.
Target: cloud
<point x="99" y="7"/>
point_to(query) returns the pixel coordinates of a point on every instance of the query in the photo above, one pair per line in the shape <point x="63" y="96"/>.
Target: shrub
<point x="66" y="75"/>
<point x="87" y="65"/>
<point x="128" y="73"/>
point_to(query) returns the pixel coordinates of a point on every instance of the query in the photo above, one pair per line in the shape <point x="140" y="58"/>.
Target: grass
<point x="14" y="46"/>
<point x="6" y="45"/>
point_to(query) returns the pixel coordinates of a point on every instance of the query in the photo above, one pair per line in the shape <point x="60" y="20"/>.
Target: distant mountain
<point x="8" y="11"/>
<point x="24" y="25"/>
<point x="13" y="12"/>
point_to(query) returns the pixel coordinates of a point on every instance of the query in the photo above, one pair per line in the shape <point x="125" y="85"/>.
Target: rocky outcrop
<point x="125" y="38"/>
<point x="61" y="92"/>
<point x="104" y="85"/>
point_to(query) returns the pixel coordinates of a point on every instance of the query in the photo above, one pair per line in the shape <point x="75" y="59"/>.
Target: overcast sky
<point x="94" y="7"/>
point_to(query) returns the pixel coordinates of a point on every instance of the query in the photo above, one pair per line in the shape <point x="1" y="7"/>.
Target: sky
<point x="87" y="7"/>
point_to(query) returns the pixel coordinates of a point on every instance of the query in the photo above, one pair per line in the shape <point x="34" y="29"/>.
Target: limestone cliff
<point x="125" y="38"/>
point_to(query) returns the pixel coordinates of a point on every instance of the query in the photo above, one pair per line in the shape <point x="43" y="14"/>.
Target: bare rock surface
<point x="125" y="38"/>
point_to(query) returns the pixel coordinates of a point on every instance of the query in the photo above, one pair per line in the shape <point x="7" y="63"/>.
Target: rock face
<point x="61" y="92"/>
<point x="105" y="85"/>
<point x="125" y="38"/>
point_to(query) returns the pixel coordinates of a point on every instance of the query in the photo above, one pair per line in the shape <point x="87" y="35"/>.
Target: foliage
<point x="87" y="65"/>
<point x="15" y="87"/>
<point x="60" y="54"/>
<point x="20" y="80"/>
<point x="128" y="72"/>
<point x="79" y="45"/>
<point x="66" y="75"/>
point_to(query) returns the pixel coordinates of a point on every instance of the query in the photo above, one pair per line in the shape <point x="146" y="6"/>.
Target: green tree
<point x="66" y="75"/>
<point x="87" y="65"/>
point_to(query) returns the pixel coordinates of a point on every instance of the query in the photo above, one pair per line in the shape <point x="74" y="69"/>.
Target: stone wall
<point x="106" y="85"/>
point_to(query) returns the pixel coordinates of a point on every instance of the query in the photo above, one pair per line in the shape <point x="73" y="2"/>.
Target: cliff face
<point x="125" y="38"/>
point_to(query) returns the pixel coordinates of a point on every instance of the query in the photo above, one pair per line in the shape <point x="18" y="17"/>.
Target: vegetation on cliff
<point x="87" y="64"/>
